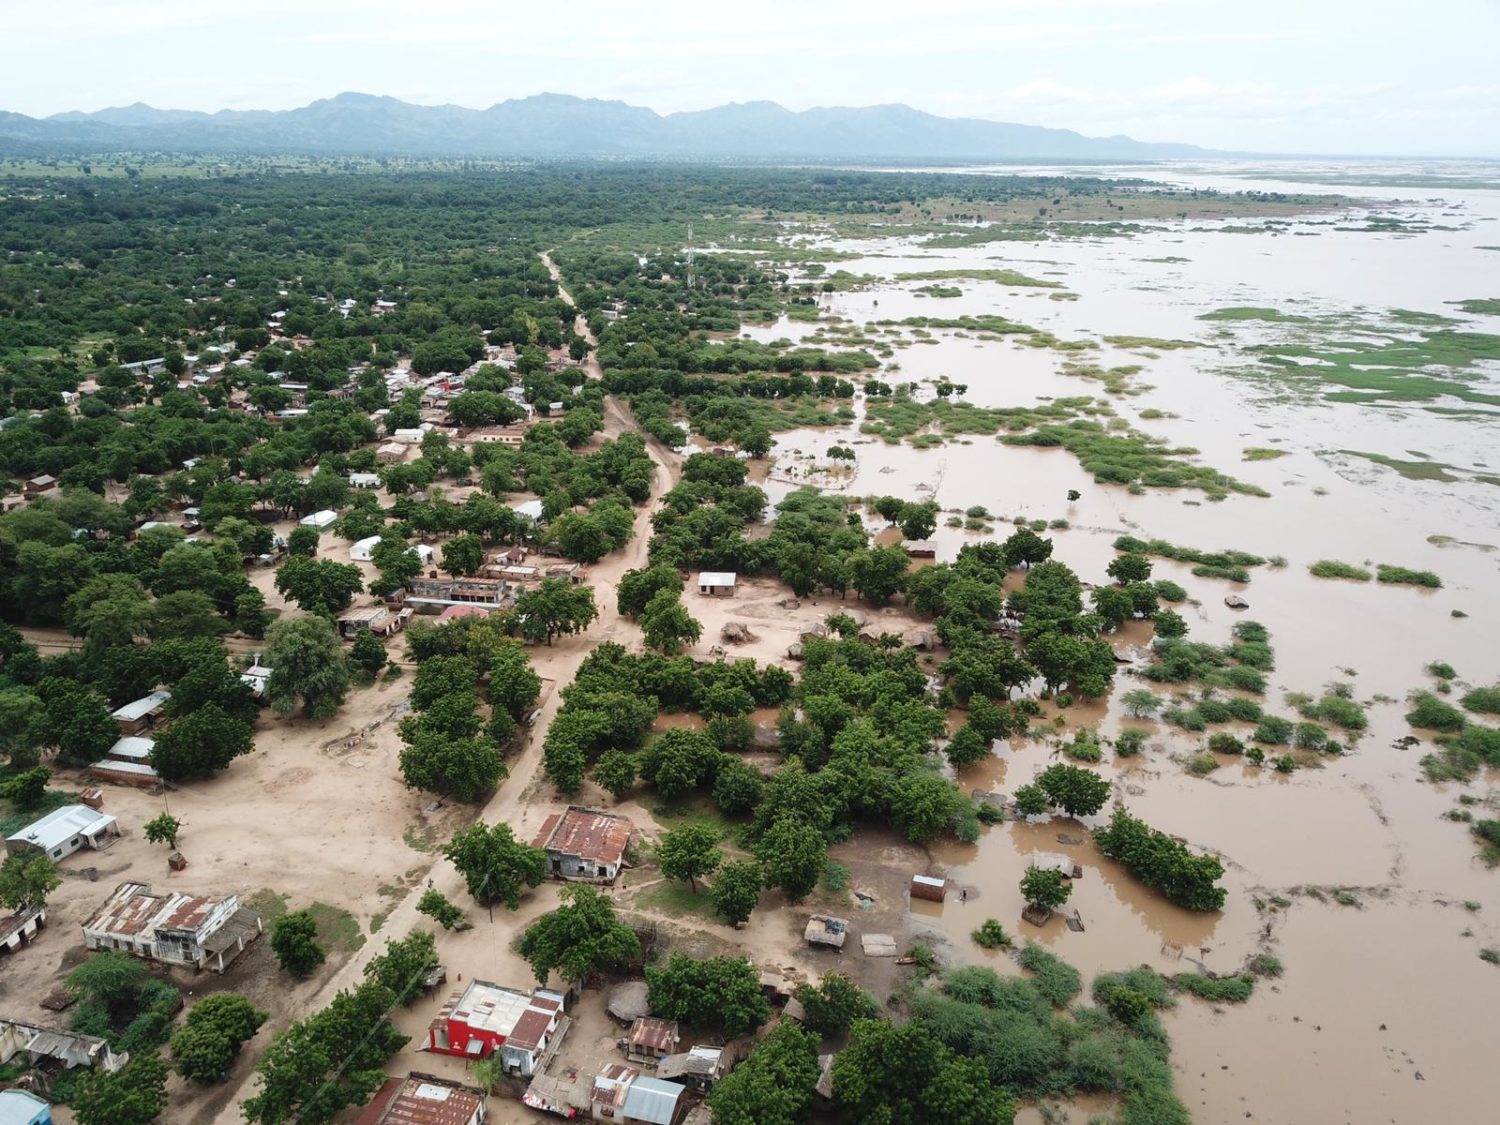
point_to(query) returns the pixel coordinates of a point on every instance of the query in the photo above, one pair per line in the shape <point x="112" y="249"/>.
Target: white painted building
<point x="63" y="831"/>
<point x="202" y="931"/>
<point x="320" y="520"/>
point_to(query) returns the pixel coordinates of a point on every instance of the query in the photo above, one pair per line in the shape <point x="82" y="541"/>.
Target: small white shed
<point x="717" y="583"/>
<point x="320" y="520"/>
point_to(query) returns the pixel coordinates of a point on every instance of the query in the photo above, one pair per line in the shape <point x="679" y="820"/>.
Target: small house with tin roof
<point x="583" y="843"/>
<point x="142" y="714"/>
<point x="651" y="1039"/>
<point x="63" y="831"/>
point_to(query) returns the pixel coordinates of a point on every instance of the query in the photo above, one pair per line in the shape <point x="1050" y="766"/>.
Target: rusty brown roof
<point x="421" y="1099"/>
<point x="134" y="909"/>
<point x="587" y="833"/>
<point x="529" y="1030"/>
<point x="657" y="1034"/>
<point x="612" y="1084"/>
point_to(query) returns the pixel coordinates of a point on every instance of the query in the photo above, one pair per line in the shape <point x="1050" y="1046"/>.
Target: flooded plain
<point x="1348" y="869"/>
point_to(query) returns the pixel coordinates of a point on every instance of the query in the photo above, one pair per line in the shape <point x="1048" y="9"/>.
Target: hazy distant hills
<point x="559" y="126"/>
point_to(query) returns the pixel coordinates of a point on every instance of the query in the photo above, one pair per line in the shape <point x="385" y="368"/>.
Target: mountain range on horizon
<point x="561" y="126"/>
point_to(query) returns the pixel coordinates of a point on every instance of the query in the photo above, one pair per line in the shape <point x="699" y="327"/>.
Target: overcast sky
<point x="1317" y="76"/>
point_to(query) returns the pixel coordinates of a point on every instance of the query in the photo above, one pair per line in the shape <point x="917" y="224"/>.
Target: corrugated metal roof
<point x="716" y="578"/>
<point x="132" y="747"/>
<point x="611" y="1084"/>
<point x="421" y="1099"/>
<point x="654" y="1034"/>
<point x="134" y="909"/>
<point x="146" y="705"/>
<point x="61" y="825"/>
<point x="586" y="833"/>
<point x="651" y="1099"/>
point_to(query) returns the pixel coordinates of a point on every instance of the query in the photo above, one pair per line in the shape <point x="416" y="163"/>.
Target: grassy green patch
<point x="1332" y="568"/>
<point x="1411" y="470"/>
<point x="13" y="819"/>
<point x="1227" y="563"/>
<point x="337" y="928"/>
<point x="1404" y="576"/>
<point x="1150" y="343"/>
<point x="677" y="899"/>
<point x="1220" y="990"/>
<point x="1003" y="276"/>
<point x="1263" y="453"/>
<point x="1481" y="306"/>
<point x="1254" y="312"/>
<point x="1053" y="977"/>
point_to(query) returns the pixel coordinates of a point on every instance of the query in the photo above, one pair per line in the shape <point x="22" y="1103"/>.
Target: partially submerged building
<point x="63" y="831"/>
<point x="485" y="1018"/>
<point x="826" y="930"/>
<point x="201" y="931"/>
<point x="585" y="844"/>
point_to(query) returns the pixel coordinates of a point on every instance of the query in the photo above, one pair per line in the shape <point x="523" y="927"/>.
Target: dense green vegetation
<point x="1231" y="564"/>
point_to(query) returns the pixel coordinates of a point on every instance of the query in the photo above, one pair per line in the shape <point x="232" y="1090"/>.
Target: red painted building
<point x="484" y="1018"/>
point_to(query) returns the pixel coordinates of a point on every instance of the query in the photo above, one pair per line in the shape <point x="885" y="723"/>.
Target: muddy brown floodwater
<point x="1385" y="1011"/>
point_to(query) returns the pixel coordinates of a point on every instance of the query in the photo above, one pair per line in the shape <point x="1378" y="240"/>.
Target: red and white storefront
<point x="483" y="1018"/>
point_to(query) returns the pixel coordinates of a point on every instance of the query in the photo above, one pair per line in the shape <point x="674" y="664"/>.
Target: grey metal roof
<point x="61" y="825"/>
<point x="651" y="1099"/>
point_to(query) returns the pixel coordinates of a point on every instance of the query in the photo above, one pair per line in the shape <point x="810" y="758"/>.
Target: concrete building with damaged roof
<point x="584" y="843"/>
<point x="201" y="931"/>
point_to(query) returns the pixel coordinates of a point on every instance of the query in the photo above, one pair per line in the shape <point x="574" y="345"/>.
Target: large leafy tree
<point x="319" y="585"/>
<point x="688" y="851"/>
<point x="462" y="768"/>
<point x="774" y="1086"/>
<point x="294" y="940"/>
<point x="77" y="721"/>
<point x="579" y="937"/>
<point x="328" y="1062"/>
<point x="27" y="881"/>
<point x="136" y="1094"/>
<point x="719" y="992"/>
<point x="835" y="1004"/>
<point x="896" y="1074"/>
<point x="404" y="965"/>
<point x="307" y="666"/>
<point x="1077" y="791"/>
<point x="667" y="625"/>
<point x="495" y="865"/>
<point x="637" y="587"/>
<point x="210" y="1038"/>
<point x="736" y="890"/>
<point x="794" y="854"/>
<point x="554" y="608"/>
<point x="878" y="573"/>
<point x="200" y="744"/>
